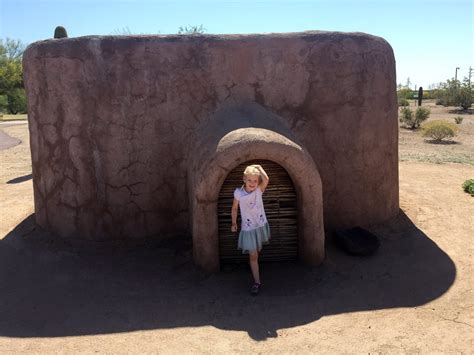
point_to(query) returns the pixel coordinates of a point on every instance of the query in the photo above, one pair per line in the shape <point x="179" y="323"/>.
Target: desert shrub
<point x="406" y="115"/>
<point x="468" y="186"/>
<point x="458" y="119"/>
<point x="422" y="114"/>
<point x="403" y="102"/>
<point x="414" y="120"/>
<point x="191" y="30"/>
<point x="405" y="93"/>
<point x="439" y="130"/>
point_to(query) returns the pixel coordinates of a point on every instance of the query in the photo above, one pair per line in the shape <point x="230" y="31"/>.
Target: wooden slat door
<point x="279" y="200"/>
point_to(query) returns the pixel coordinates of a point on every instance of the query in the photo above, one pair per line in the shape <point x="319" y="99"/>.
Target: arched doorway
<point x="280" y="204"/>
<point x="218" y="156"/>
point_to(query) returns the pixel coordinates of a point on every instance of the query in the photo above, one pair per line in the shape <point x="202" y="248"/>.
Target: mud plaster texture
<point x="117" y="125"/>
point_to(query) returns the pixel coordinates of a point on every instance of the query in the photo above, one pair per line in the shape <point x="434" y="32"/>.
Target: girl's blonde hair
<point x="252" y="170"/>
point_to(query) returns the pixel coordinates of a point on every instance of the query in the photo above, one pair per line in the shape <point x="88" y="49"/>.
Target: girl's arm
<point x="235" y="207"/>
<point x="264" y="176"/>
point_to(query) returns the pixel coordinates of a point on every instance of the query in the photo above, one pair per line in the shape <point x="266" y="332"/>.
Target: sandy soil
<point x="415" y="295"/>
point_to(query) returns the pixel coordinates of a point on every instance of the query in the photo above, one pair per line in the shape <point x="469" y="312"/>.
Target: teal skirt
<point x="252" y="240"/>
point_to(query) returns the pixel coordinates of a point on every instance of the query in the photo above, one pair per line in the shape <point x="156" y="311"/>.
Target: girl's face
<point x="251" y="182"/>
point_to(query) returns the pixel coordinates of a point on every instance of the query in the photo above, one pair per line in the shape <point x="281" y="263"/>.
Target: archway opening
<point x="280" y="204"/>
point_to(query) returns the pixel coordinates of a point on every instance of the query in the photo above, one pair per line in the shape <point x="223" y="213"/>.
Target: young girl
<point x="255" y="229"/>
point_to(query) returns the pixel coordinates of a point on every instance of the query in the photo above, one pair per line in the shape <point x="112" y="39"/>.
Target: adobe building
<point x="147" y="136"/>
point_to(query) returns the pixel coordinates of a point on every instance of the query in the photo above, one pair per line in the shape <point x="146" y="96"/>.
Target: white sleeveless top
<point x="251" y="208"/>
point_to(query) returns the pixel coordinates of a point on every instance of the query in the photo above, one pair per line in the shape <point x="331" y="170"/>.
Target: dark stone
<point x="357" y="241"/>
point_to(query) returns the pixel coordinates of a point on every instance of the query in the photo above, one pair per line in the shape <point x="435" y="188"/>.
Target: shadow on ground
<point x="20" y="179"/>
<point x="446" y="142"/>
<point x="51" y="290"/>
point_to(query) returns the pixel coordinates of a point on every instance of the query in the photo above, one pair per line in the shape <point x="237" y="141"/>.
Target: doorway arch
<point x="210" y="168"/>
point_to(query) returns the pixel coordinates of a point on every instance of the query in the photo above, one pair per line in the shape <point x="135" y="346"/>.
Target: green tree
<point x="455" y="93"/>
<point x="3" y="103"/>
<point x="11" y="76"/>
<point x="11" y="49"/>
<point x="17" y="101"/>
<point x="405" y="93"/>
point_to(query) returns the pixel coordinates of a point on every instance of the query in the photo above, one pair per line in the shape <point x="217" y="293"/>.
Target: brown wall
<point x="111" y="119"/>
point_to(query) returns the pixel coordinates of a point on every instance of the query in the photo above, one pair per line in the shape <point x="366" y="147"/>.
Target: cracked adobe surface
<point x="113" y="120"/>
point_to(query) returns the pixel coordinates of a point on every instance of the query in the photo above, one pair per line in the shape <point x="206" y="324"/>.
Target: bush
<point x="468" y="186"/>
<point x="427" y="95"/>
<point x="403" y="102"/>
<point x="405" y="93"/>
<point x="439" y="130"/>
<point x="422" y="114"/>
<point x="414" y="120"/>
<point x="406" y="115"/>
<point x="191" y="30"/>
<point x="458" y="119"/>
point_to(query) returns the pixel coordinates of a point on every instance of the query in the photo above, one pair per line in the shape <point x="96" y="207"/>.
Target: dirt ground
<point x="414" y="147"/>
<point x="414" y="296"/>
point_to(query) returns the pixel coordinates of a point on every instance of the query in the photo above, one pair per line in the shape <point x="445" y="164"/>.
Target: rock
<point x="357" y="241"/>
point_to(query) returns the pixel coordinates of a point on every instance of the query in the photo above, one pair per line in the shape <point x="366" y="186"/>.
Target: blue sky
<point x="430" y="38"/>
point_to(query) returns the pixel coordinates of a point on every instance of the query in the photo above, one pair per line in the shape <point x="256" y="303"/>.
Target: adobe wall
<point x="112" y="120"/>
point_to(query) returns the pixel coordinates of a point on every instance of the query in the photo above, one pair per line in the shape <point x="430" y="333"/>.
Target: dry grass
<point x="7" y="118"/>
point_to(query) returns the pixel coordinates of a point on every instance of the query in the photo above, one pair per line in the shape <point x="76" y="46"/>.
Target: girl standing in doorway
<point x="255" y="230"/>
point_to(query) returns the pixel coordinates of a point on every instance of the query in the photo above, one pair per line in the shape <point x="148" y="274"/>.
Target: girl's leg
<point x="253" y="256"/>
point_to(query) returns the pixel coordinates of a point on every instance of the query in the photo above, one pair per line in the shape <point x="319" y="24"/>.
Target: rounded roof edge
<point x="305" y="35"/>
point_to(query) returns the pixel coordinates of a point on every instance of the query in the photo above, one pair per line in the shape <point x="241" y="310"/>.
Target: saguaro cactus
<point x="60" y="32"/>
<point x="420" y="95"/>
